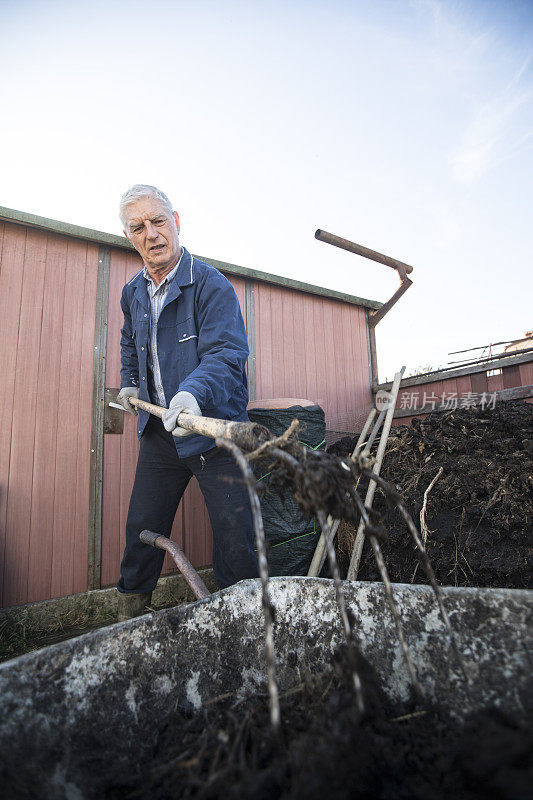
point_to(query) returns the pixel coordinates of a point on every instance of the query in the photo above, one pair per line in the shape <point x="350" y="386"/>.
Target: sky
<point x="403" y="125"/>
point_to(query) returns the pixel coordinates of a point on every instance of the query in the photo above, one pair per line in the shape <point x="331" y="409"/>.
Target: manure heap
<point x="480" y="510"/>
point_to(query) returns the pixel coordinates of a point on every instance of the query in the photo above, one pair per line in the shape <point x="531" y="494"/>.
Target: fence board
<point x="263" y="339"/>
<point x="299" y="328"/>
<point x="194" y="515"/>
<point x="113" y="536"/>
<point x="308" y="334"/>
<point x="2" y="228"/>
<point x="239" y="284"/>
<point x="80" y="539"/>
<point x="276" y="345"/>
<point x="14" y="243"/>
<point x="332" y="404"/>
<point x="23" y="424"/>
<point x="42" y="503"/>
<point x="294" y="371"/>
<point x="317" y="310"/>
<point x="495" y="383"/>
<point x="464" y="385"/>
<point x="511" y="377"/>
<point x="526" y="374"/>
<point x="72" y="359"/>
<point x="111" y="508"/>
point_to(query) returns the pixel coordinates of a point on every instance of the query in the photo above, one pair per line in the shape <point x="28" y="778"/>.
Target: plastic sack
<point x="291" y="538"/>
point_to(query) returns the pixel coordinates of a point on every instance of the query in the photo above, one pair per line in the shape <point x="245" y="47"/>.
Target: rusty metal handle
<point x="352" y="247"/>
<point x="401" y="268"/>
<point x="182" y="562"/>
<point x="376" y="316"/>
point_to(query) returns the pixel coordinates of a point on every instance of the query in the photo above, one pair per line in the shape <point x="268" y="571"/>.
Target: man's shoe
<point x="132" y="605"/>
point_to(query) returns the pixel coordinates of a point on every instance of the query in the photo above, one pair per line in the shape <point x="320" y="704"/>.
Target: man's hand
<point x="182" y="401"/>
<point x="124" y="396"/>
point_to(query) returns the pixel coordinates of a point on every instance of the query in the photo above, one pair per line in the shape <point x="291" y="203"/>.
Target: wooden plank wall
<point x="47" y="307"/>
<point x="306" y="346"/>
<point x="315" y="348"/>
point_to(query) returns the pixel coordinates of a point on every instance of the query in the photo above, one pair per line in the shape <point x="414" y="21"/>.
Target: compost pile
<point x="479" y="512"/>
<point x="326" y="748"/>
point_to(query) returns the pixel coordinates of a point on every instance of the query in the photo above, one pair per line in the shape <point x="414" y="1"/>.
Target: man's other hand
<point x="182" y="401"/>
<point x="123" y="398"/>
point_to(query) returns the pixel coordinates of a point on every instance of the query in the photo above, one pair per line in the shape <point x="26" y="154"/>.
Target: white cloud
<point x="469" y="50"/>
<point x="497" y="132"/>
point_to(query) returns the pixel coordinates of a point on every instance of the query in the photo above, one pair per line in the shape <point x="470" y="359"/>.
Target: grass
<point x="36" y="625"/>
<point x="21" y="636"/>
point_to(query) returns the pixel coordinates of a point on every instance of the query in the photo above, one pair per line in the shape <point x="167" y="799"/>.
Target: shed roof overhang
<point x="99" y="237"/>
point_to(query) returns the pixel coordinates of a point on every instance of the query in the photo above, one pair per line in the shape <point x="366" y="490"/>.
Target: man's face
<point x="154" y="233"/>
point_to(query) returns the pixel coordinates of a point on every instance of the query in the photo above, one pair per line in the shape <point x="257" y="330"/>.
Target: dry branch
<point x="353" y="650"/>
<point x="423" y="526"/>
<point x="263" y="574"/>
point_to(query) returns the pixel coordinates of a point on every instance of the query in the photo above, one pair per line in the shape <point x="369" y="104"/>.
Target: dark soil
<point x="326" y="749"/>
<point x="480" y="511"/>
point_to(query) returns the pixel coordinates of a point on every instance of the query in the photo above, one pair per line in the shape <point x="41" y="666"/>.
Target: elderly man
<point x="183" y="346"/>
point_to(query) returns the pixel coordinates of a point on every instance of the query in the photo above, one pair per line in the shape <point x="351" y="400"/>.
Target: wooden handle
<point x="248" y="435"/>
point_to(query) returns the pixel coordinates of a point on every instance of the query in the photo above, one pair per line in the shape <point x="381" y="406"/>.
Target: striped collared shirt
<point x="157" y="296"/>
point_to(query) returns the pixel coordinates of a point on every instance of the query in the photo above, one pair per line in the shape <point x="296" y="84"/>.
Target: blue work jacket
<point x="201" y="345"/>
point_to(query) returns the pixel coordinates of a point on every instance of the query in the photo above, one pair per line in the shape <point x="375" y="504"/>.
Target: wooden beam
<point x="497" y="362"/>
<point x="516" y="393"/>
<point x="96" y="464"/>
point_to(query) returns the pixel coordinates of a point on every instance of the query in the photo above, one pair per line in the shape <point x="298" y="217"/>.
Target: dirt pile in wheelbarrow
<point x="479" y="512"/>
<point x="326" y="748"/>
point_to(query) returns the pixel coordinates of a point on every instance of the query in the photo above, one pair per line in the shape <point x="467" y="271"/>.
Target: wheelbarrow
<point x="76" y="712"/>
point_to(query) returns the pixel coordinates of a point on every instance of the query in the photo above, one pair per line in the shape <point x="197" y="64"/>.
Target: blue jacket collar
<point x="183" y="277"/>
<point x="185" y="274"/>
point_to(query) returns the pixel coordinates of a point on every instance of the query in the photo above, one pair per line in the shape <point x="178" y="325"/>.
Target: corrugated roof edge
<point x="99" y="237"/>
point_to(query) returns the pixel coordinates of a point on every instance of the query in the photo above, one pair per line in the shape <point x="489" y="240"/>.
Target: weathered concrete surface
<point x="70" y="709"/>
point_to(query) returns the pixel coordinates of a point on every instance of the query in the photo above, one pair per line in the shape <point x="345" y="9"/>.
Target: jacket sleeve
<point x="129" y="372"/>
<point x="222" y="344"/>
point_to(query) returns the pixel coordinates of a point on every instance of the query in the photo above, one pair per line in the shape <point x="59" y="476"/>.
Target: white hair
<point x="141" y="190"/>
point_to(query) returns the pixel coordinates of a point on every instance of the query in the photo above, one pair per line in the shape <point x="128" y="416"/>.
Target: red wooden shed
<point x="64" y="481"/>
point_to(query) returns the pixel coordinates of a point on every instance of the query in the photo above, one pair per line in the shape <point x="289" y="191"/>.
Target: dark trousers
<point x="160" y="480"/>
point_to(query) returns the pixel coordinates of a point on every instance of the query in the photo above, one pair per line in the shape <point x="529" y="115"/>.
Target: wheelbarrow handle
<point x="182" y="562"/>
